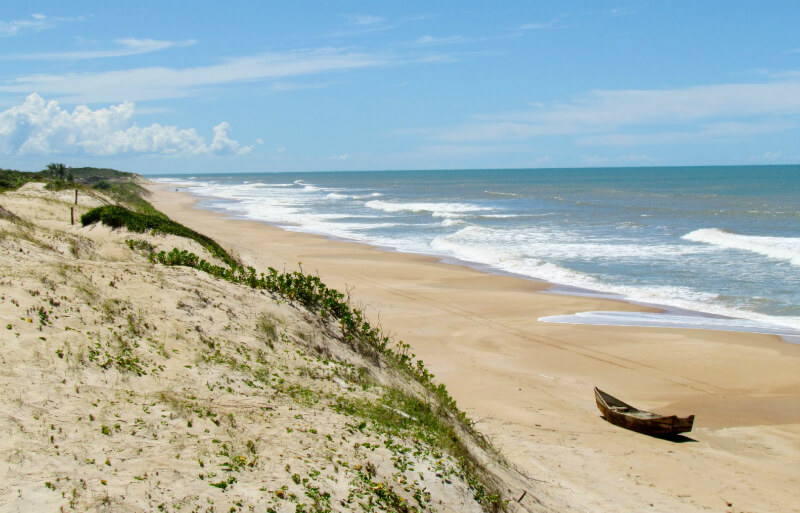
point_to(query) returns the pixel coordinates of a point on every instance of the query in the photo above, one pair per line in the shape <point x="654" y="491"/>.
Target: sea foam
<point x="778" y="248"/>
<point x="663" y="320"/>
<point x="437" y="209"/>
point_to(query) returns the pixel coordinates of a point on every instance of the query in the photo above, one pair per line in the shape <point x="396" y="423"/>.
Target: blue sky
<point x="157" y="87"/>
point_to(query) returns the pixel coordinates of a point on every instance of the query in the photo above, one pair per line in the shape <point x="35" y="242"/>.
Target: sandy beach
<point x="529" y="384"/>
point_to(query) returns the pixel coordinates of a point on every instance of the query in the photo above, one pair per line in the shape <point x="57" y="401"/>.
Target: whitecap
<point x="452" y="222"/>
<point x="779" y="248"/>
<point x="448" y="215"/>
<point x="436" y="208"/>
<point x="498" y="193"/>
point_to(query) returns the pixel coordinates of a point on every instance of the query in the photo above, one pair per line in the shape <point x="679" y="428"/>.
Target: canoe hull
<point x="628" y="417"/>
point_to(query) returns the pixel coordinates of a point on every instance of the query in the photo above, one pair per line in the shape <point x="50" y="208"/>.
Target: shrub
<point x="11" y="179"/>
<point x="139" y="222"/>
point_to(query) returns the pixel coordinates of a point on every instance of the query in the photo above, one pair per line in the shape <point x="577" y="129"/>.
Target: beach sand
<point x="528" y="385"/>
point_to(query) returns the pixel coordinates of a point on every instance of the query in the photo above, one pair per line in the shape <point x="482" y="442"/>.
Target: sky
<point x="160" y="87"/>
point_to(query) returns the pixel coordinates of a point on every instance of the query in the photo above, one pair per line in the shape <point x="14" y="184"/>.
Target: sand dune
<point x="127" y="385"/>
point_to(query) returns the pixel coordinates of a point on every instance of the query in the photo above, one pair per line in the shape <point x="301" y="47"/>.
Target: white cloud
<point x="464" y="150"/>
<point x="222" y="144"/>
<point x="787" y="74"/>
<point x="629" y="139"/>
<point x="449" y="40"/>
<point x="12" y="28"/>
<point x="129" y="46"/>
<point x="279" y="153"/>
<point x="161" y="83"/>
<point x="731" y="106"/>
<point x="364" y="19"/>
<point x="625" y="107"/>
<point x="703" y="132"/>
<point x="35" y="23"/>
<point x="43" y="128"/>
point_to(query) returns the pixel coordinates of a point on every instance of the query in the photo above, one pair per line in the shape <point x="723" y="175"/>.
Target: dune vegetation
<point x="145" y="368"/>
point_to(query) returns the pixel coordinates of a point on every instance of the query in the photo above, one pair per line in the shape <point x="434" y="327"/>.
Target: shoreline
<point x="528" y="384"/>
<point x="651" y="319"/>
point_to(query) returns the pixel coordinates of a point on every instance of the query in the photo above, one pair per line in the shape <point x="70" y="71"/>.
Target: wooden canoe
<point x="625" y="415"/>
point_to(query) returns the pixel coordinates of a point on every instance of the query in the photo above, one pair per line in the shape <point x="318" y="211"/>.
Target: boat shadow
<point x="677" y="439"/>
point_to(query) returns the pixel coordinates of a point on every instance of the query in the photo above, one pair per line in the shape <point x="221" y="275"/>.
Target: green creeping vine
<point x="309" y="291"/>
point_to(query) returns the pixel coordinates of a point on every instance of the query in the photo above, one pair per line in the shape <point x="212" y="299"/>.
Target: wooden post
<point x="76" y="196"/>
<point x="72" y="214"/>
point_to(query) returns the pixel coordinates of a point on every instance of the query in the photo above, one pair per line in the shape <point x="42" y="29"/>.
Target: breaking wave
<point x="778" y="248"/>
<point x="437" y="209"/>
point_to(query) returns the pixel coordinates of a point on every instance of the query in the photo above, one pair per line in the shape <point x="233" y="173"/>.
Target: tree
<point x="57" y="170"/>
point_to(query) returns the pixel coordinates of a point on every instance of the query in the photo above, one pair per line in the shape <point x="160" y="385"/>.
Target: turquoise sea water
<point x="720" y="240"/>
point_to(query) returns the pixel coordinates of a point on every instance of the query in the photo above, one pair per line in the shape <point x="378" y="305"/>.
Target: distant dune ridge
<point x="128" y="385"/>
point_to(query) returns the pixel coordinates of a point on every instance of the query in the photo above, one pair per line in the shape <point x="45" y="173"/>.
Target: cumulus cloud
<point x="37" y="127"/>
<point x="222" y="144"/>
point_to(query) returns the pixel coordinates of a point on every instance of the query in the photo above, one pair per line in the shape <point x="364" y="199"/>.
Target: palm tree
<point x="57" y="171"/>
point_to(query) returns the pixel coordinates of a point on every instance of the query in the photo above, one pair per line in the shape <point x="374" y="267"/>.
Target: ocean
<point x="720" y="241"/>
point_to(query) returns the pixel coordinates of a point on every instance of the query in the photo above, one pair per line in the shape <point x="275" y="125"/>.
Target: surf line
<point x="672" y="320"/>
